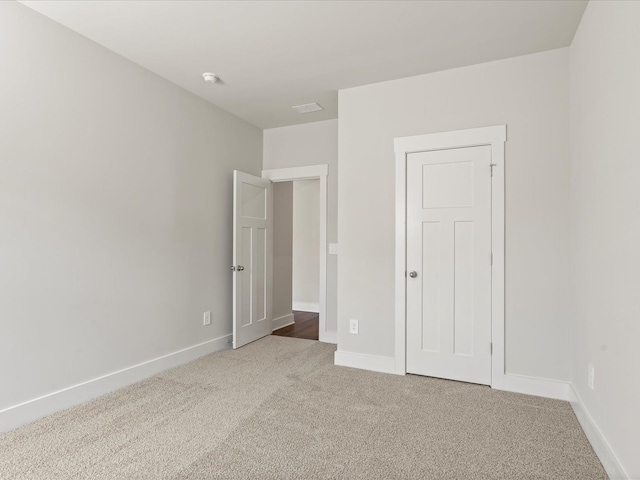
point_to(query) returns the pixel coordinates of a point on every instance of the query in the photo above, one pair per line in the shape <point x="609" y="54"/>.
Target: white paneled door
<point x="449" y="264"/>
<point x="252" y="251"/>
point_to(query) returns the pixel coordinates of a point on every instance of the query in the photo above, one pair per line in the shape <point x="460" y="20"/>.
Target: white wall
<point x="115" y="210"/>
<point x="530" y="95"/>
<point x="312" y="144"/>
<point x="282" y="252"/>
<point x="605" y="221"/>
<point x="306" y="245"/>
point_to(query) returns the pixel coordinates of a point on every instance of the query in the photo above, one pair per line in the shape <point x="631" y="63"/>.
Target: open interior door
<point x="252" y="257"/>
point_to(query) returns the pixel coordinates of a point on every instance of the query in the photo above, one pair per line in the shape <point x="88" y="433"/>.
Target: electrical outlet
<point x="207" y="319"/>
<point x="591" y="377"/>
<point x="353" y="326"/>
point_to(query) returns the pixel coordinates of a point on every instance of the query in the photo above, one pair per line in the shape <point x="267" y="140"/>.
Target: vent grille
<point x="308" y="108"/>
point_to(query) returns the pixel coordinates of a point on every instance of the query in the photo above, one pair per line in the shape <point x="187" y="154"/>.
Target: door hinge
<point x="491" y="258"/>
<point x="492" y="165"/>
<point x="491" y="348"/>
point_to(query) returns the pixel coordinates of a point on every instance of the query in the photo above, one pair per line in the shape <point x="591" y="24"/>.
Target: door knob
<point x="413" y="274"/>
<point x="239" y="268"/>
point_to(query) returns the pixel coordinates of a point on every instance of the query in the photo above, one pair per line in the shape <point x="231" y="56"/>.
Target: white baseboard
<point x="599" y="443"/>
<point x="366" y="362"/>
<point x="306" y="307"/>
<point x="540" y="387"/>
<point x="281" y="322"/>
<point x="36" y="408"/>
<point x="328" y="337"/>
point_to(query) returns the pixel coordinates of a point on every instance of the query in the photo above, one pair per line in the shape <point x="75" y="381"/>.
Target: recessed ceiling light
<point x="308" y="108"/>
<point x="210" y="77"/>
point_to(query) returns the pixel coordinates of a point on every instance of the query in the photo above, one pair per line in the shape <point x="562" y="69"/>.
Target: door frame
<point x="312" y="172"/>
<point x="494" y="136"/>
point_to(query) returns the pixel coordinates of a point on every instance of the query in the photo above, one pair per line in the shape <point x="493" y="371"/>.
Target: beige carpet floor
<point x="280" y="409"/>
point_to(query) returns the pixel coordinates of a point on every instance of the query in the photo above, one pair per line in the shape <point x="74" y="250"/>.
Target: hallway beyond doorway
<point x="305" y="326"/>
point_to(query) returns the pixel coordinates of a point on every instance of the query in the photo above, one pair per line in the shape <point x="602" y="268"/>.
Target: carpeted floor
<point x="279" y="409"/>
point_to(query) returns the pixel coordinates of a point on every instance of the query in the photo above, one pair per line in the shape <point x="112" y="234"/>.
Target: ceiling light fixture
<point x="210" y="77"/>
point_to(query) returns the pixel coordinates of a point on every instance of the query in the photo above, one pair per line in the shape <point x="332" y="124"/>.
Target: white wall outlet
<point x="207" y="318"/>
<point x="333" y="249"/>
<point x="353" y="326"/>
<point x="591" y="377"/>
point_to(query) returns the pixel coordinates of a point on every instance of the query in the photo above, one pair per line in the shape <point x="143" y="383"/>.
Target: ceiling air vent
<point x="308" y="108"/>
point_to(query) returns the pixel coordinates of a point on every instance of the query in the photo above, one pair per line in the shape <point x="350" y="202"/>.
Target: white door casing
<point x="449" y="263"/>
<point x="312" y="172"/>
<point x="493" y="138"/>
<point x="252" y="257"/>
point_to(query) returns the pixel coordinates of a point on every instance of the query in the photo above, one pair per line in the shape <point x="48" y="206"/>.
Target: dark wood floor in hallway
<point x="305" y="326"/>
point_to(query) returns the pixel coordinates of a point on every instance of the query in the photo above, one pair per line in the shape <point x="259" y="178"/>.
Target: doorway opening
<point x="296" y="259"/>
<point x="308" y="180"/>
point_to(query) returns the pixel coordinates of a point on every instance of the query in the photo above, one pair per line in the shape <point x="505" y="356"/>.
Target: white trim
<point x="296" y="173"/>
<point x="540" y="387"/>
<point x="494" y="136"/>
<point x="281" y="322"/>
<point x="330" y="336"/>
<point x="375" y="363"/>
<point x="401" y="264"/>
<point x="498" y="361"/>
<point x="453" y="139"/>
<point x="603" y="450"/>
<point x="319" y="172"/>
<point x="36" y="408"/>
<point x="306" y="307"/>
